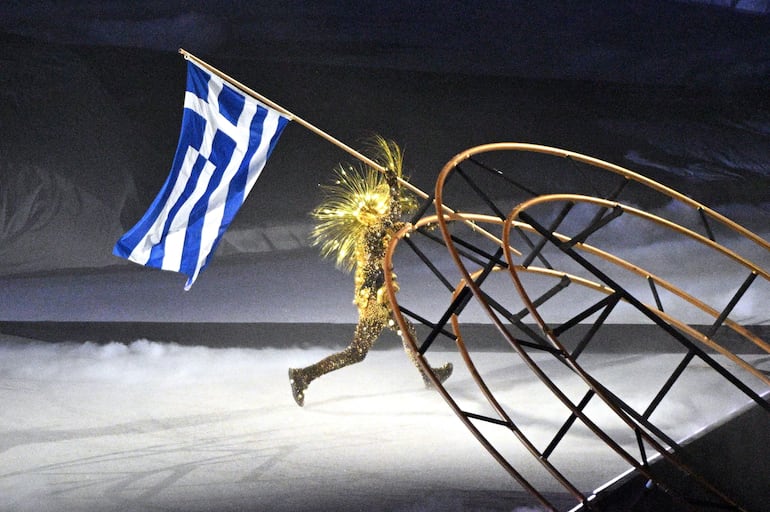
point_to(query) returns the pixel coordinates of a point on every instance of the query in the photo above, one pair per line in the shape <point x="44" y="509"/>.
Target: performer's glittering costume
<point x="355" y="223"/>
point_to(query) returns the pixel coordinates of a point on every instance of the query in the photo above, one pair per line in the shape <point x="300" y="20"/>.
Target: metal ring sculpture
<point x="542" y="224"/>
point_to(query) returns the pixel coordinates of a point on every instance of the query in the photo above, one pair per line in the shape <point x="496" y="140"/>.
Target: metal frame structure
<point x="535" y="229"/>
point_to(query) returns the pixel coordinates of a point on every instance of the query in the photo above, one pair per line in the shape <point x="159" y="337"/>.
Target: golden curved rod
<point x="616" y="169"/>
<point x="578" y="198"/>
<point x="445" y="216"/>
<point x="407" y="334"/>
<point x="482" y="385"/>
<point x="511" y="222"/>
<point x="682" y="326"/>
<point x="662" y="283"/>
<point x="523" y="147"/>
<point x="663" y="451"/>
<point x="468" y="280"/>
<point x="533" y="367"/>
<point x="392" y="289"/>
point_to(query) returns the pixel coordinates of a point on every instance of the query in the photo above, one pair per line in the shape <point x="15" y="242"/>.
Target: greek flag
<point x="225" y="141"/>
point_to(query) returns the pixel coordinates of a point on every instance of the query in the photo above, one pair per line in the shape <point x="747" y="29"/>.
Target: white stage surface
<point x="152" y="426"/>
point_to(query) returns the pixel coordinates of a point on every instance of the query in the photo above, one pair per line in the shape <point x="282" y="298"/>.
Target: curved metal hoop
<point x="547" y="341"/>
<point x="564" y="241"/>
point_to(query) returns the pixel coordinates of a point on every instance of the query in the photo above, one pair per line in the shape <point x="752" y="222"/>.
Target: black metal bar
<point x="595" y="220"/>
<point x="706" y="225"/>
<point x="555" y="224"/>
<point x="486" y="418"/>
<point x="497" y="260"/>
<point x="439" y="240"/>
<point x="463" y="243"/>
<point x="655" y="295"/>
<point x="567" y="424"/>
<point x="501" y="175"/>
<point x="515" y="319"/>
<point x="731" y="305"/>
<point x="484" y="197"/>
<point x="611" y="197"/>
<point x="572" y="322"/>
<point x="670" y="330"/>
<point x="642" y="451"/>
<point x="636" y="416"/>
<point x="531" y="245"/>
<point x="458" y="304"/>
<point x="424" y="321"/>
<point x="615" y="193"/>
<point x="429" y="263"/>
<point x="538" y="342"/>
<point x="563" y="283"/>
<point x="599" y="221"/>
<point x="668" y="384"/>
<point x="595" y="327"/>
<point x="579" y="170"/>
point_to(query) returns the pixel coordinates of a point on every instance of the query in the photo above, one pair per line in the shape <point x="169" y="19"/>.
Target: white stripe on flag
<point x="216" y="205"/>
<point x="174" y="245"/>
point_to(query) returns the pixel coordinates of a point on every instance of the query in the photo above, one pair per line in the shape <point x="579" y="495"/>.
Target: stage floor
<point x="155" y="426"/>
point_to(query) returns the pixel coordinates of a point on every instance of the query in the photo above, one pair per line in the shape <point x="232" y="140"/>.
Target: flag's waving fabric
<point x="225" y="141"/>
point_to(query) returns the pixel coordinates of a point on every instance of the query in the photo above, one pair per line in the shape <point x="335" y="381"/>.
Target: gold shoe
<point x="442" y="373"/>
<point x="298" y="385"/>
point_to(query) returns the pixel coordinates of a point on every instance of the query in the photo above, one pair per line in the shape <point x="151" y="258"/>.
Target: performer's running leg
<point x="365" y="335"/>
<point x="443" y="372"/>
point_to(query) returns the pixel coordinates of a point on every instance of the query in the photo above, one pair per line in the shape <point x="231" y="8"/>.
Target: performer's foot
<point x="442" y="373"/>
<point x="298" y="385"/>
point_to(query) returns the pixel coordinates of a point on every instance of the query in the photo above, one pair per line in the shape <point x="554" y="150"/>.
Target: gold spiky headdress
<point x="357" y="200"/>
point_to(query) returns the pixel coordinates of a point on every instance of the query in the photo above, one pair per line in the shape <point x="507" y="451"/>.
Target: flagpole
<point x="282" y="110"/>
<point x="293" y="117"/>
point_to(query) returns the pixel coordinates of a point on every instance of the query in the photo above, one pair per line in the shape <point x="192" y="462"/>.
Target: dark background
<point x="92" y="93"/>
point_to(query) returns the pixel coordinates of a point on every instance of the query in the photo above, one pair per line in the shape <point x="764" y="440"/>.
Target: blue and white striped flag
<point x="225" y="141"/>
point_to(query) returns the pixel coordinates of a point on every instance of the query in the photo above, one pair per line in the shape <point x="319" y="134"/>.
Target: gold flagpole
<point x="368" y="161"/>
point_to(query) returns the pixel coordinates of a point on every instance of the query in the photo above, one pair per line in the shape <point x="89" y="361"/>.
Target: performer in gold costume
<point x="356" y="220"/>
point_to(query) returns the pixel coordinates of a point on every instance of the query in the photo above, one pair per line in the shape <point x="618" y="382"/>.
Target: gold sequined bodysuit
<point x="372" y="204"/>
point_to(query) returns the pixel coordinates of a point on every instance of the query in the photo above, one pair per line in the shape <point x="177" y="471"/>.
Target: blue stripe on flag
<point x="225" y="141"/>
<point x="231" y="105"/>
<point x="225" y="149"/>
